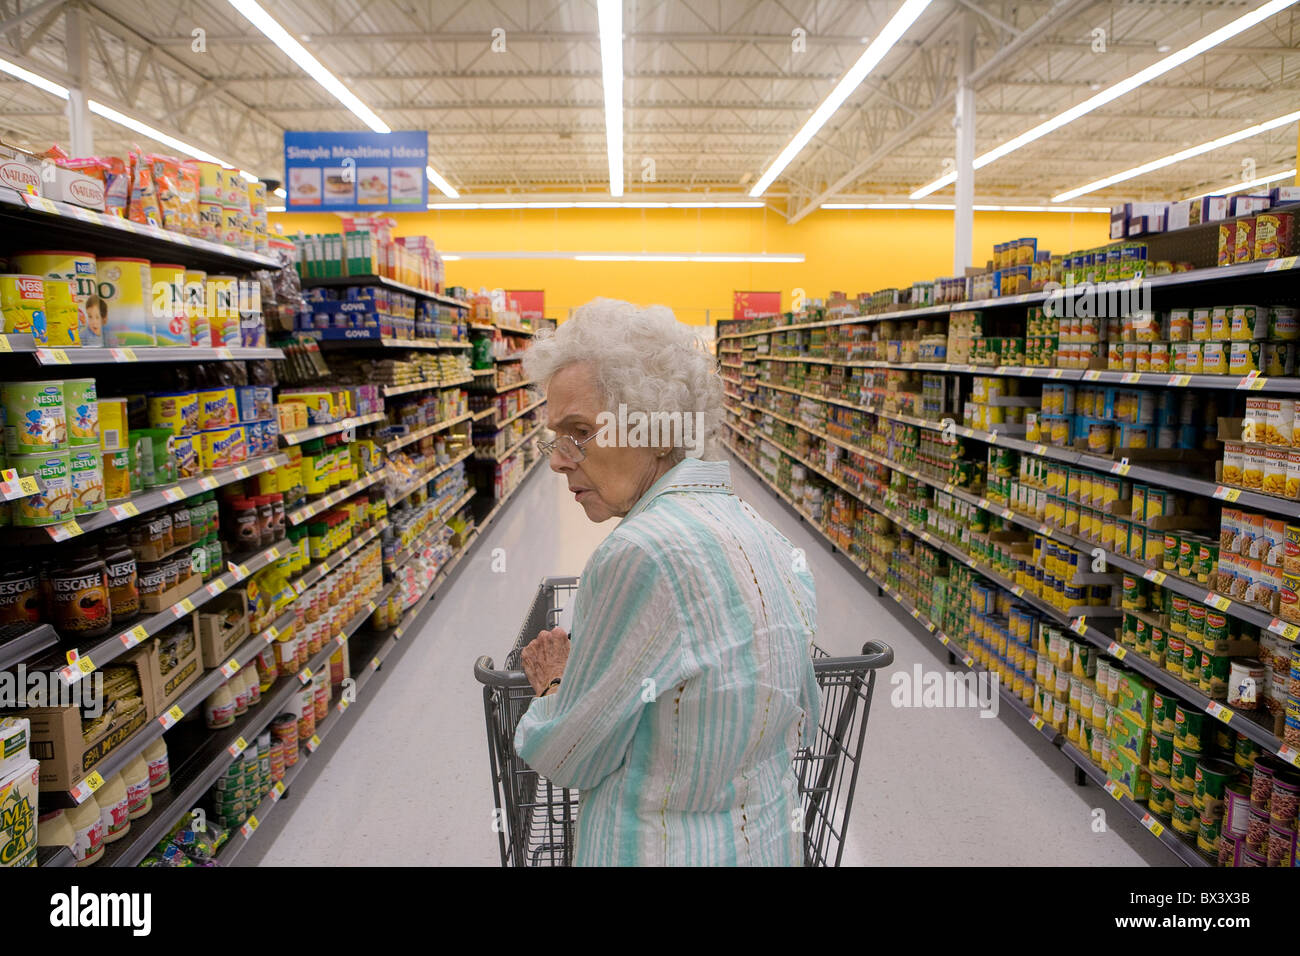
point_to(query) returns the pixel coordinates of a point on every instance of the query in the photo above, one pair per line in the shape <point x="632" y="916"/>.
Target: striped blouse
<point x="689" y="685"/>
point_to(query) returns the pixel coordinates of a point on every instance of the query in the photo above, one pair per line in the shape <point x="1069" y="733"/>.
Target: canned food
<point x="1189" y="728"/>
<point x="1182" y="773"/>
<point x="35" y="417"/>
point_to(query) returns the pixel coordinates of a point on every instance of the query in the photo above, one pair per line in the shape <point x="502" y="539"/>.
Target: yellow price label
<point x="1181" y="381"/>
<point x="186" y="605"/>
<point x="1057" y="372"/>
<point x="1224" y="493"/>
<point x="28" y="484"/>
<point x="230" y="667"/>
<point x="85" y="664"/>
<point x="1289" y="631"/>
<point x="315" y="741"/>
<point x="94" y="781"/>
<point x="241" y="743"/>
<point x="1092" y="375"/>
<point x="1037" y="722"/>
<point x="1080" y="624"/>
<point x="305" y="675"/>
<point x="123" y="511"/>
<point x="123" y="355"/>
<point x="251" y="823"/>
<point x="139" y="632"/>
<point x="57" y="356"/>
<point x="1217" y="601"/>
<point x="1155" y="577"/>
<point x="279" y="788"/>
<point x="374" y="662"/>
<point x="64" y="530"/>
<point x="175" y="712"/>
<point x="1218" y="710"/>
<point x="4" y="344"/>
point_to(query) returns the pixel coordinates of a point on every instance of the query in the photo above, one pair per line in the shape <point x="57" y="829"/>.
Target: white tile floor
<point x="407" y="784"/>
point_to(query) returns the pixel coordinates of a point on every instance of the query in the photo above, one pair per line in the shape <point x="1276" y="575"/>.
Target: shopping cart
<point x="535" y="818"/>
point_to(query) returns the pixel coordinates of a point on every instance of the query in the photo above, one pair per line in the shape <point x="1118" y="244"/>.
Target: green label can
<point x="1156" y="652"/>
<point x="1178" y="605"/>
<point x="1189" y="728"/>
<point x="1191" y="662"/>
<point x="1195" y="621"/>
<point x="1246" y="752"/>
<point x="52" y="505"/>
<point x="85" y="472"/>
<point x="1162" y="754"/>
<point x="1182" y="770"/>
<point x="34" y="417"/>
<point x="1164" y="709"/>
<point x="81" y="403"/>
<point x="1213" y="678"/>
<point x="1169" y="558"/>
<point x="1217" y="631"/>
<point x="1174" y="654"/>
<point x="1207" y="560"/>
<point x="1187" y="551"/>
<point x="1184" y="818"/>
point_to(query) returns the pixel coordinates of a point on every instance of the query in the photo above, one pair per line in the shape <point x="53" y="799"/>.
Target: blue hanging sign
<point x="356" y="172"/>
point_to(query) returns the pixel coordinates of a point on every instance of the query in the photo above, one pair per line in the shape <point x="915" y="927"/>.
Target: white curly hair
<point x="641" y="357"/>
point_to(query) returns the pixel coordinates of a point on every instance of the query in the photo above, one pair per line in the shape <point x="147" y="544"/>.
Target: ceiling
<point x="713" y="89"/>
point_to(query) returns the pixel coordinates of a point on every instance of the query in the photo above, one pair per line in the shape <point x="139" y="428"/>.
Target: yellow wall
<point x="849" y="250"/>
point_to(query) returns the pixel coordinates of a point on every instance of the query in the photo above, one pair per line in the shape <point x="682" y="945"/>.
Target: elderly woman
<point x="687" y="686"/>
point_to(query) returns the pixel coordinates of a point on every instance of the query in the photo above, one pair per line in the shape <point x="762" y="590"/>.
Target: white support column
<point x="964" y="121"/>
<point x="81" y="140"/>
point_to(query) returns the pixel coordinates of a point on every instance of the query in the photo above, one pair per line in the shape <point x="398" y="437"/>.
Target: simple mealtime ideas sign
<point x="355" y="172"/>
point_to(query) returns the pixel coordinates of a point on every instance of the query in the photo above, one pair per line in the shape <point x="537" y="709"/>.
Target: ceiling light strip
<point x="1251" y="184"/>
<point x="875" y="52"/>
<point x="610" y="15"/>
<point x="597" y="256"/>
<point x="1126" y="85"/>
<point x="949" y="207"/>
<point x="1178" y="157"/>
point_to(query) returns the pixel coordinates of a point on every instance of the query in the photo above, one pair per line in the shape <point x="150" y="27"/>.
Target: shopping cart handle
<point x="487" y="674"/>
<point x="875" y="654"/>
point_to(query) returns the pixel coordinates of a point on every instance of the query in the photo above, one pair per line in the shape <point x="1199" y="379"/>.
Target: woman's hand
<point x="544" y="658"/>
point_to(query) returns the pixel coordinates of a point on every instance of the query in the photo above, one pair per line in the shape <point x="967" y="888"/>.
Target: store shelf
<point x="512" y="449"/>
<point x="484" y="372"/>
<point x="343" y="282"/>
<point x="111" y="648"/>
<point x="415" y="436"/>
<point x="405" y="555"/>
<point x="1102" y="639"/>
<point x="429" y="476"/>
<point x="26" y="646"/>
<point x="55" y="857"/>
<point x="320" y="431"/>
<point x="325" y="566"/>
<point x="502" y="389"/>
<point x="149" y="500"/>
<point x="500" y="425"/>
<point x="517" y="357"/>
<point x="22" y="344"/>
<point x="329" y="501"/>
<point x="56" y="225"/>
<point x="391" y="390"/>
<point x="515" y="331"/>
<point x="365" y="340"/>
<point x="1184" y="850"/>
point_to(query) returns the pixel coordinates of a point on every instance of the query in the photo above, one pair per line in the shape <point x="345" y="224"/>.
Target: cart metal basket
<point x="535" y="818"/>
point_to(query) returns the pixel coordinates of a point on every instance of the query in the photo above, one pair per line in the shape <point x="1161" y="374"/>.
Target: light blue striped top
<point x="689" y="685"/>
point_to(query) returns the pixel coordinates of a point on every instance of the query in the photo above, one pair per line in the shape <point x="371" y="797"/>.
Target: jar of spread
<point x="53" y="829"/>
<point x="244" y="525"/>
<point x="181" y="563"/>
<point x="20" y="593"/>
<point x="113" y="808"/>
<point x="181" y="523"/>
<point x="219" y="708"/>
<point x="213" y="546"/>
<point x="265" y="520"/>
<point x="151" y="537"/>
<point x="123" y="586"/>
<point x="277" y="509"/>
<point x="160" y="775"/>
<point x="79" y="597"/>
<point x="88" y="828"/>
<point x="136" y="777"/>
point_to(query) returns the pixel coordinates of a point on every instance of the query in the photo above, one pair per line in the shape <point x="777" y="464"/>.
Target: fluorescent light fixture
<point x="281" y="193"/>
<point x="594" y="204"/>
<point x="731" y="257"/>
<point x="1178" y="157"/>
<point x="949" y="207"/>
<point x="446" y="258"/>
<point x="1238" y="187"/>
<point x="870" y="58"/>
<point x="275" y="209"/>
<point x="443" y="186"/>
<point x="144" y="129"/>
<point x="277" y="34"/>
<point x="35" y="79"/>
<point x="610" y="14"/>
<point x="1127" y="85"/>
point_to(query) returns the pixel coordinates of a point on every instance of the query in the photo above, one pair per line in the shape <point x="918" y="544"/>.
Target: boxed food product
<point x="69" y="745"/>
<point x="19" y="794"/>
<point x="175" y="664"/>
<point x="15" y="737"/>
<point x="221" y="626"/>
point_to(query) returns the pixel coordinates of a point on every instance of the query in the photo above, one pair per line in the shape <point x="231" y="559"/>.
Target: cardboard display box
<point x="153" y="603"/>
<point x="182" y="668"/>
<point x="221" y="625"/>
<point x="56" y="732"/>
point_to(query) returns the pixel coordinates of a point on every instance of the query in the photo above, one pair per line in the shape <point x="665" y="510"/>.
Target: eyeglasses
<point x="569" y="448"/>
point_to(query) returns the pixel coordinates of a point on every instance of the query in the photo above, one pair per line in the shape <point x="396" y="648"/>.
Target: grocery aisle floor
<point x="407" y="784"/>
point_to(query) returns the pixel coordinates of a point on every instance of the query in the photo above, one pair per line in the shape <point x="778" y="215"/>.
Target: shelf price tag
<point x="1217" y="601"/>
<point x="216" y="587"/>
<point x="1120" y="468"/>
<point x="1113" y="789"/>
<point x="134" y="636"/>
<point x="968" y="661"/>
<point x="169" y="719"/>
<point x="1037" y="722"/>
<point x="207" y="483"/>
<point x="313" y="743"/>
<point x="1154" y="576"/>
<point x="342" y="705"/>
<point x="1215" y="709"/>
<point x="1152" y="824"/>
<point x="123" y="355"/>
<point x="1180" y="381"/>
<point x="305" y="675"/>
<point x="340" y="638"/>
<point x="1289" y="631"/>
<point x="1080" y="624"/>
<point x="1280" y="265"/>
<point x="53" y="357"/>
<point x="85" y="665"/>
<point x="1289" y="754"/>
<point x="124" y="511"/>
<point x="1252" y="381"/>
<point x="277" y="791"/>
<point x="1131" y="378"/>
<point x="64" y="530"/>
<point x="173" y="494"/>
<point x="1018" y="591"/>
<point x="1227" y="494"/>
<point x="374" y="663"/>
<point x="225" y="353"/>
<point x="1117" y="651"/>
<point x="229" y="667"/>
<point x="238" y="747"/>
<point x="250" y="826"/>
<point x="88" y="786"/>
<point x="1092" y="375"/>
